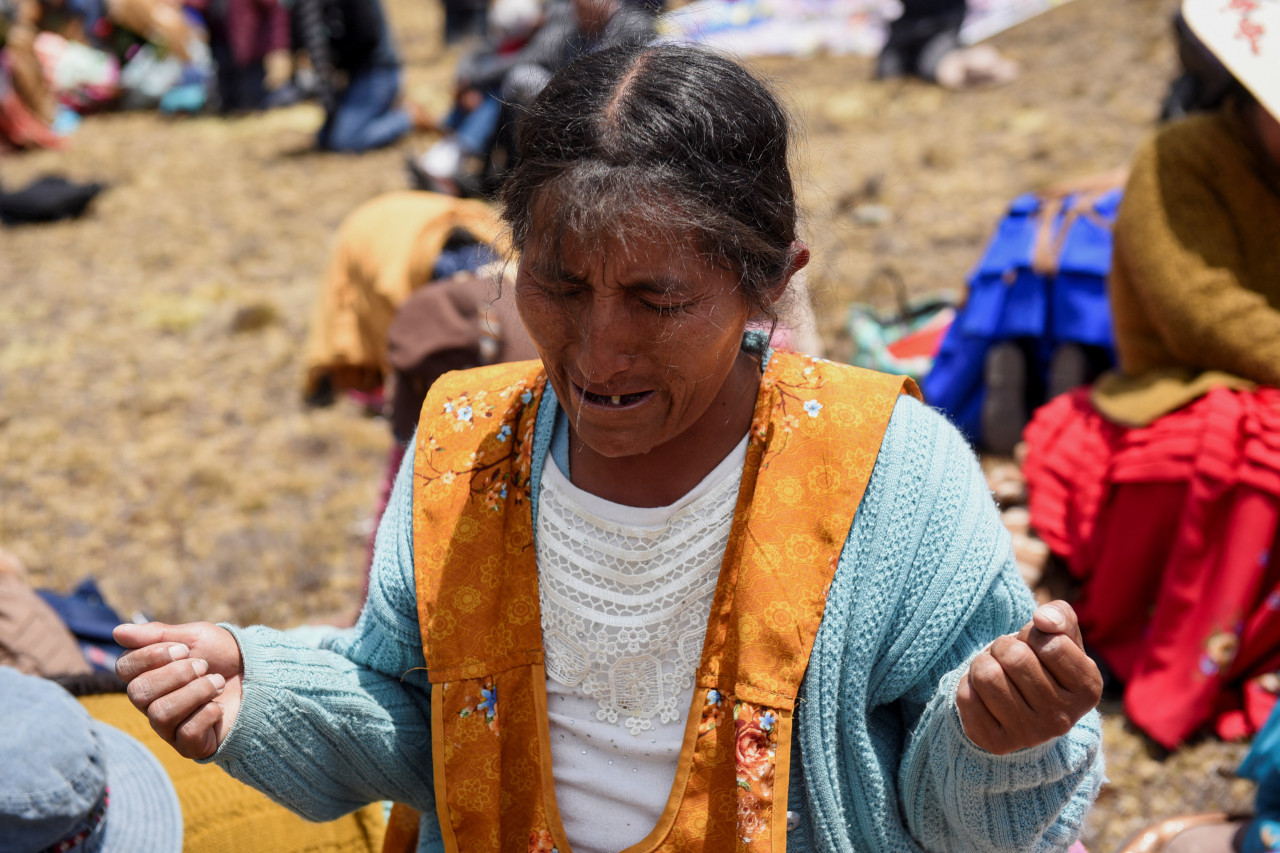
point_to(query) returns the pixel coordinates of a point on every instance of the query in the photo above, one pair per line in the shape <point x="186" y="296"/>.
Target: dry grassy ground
<point x="151" y="433"/>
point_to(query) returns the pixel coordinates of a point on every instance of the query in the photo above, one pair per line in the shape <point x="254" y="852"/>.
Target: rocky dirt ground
<point x="151" y="431"/>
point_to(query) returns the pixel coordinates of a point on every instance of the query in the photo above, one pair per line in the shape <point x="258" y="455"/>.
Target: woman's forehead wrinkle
<point x="634" y="253"/>
<point x="548" y="268"/>
<point x="668" y="273"/>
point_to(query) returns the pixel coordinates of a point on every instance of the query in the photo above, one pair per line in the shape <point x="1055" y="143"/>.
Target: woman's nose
<point x="608" y="339"/>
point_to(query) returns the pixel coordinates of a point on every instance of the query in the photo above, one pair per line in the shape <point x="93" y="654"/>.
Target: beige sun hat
<point x="1245" y="36"/>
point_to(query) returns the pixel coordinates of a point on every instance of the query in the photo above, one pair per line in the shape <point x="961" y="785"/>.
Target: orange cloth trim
<point x="783" y="772"/>
<point x="402" y="829"/>
<point x="814" y="442"/>
<point x="471" y="478"/>
<point x="815" y="435"/>
<point x="438" y="775"/>
<point x="555" y="825"/>
<point x="684" y="767"/>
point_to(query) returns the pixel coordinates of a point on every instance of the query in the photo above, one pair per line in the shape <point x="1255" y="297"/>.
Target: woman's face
<point x="640" y="338"/>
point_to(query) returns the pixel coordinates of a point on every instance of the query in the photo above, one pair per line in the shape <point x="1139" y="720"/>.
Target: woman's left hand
<point x="1029" y="688"/>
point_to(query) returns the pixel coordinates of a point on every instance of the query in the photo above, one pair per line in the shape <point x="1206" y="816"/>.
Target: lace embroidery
<point x="625" y="608"/>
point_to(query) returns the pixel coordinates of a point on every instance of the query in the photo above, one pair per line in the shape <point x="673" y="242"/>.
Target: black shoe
<point x="324" y="394"/>
<point x="1004" y="406"/>
<point x="892" y="63"/>
<point x="1068" y="369"/>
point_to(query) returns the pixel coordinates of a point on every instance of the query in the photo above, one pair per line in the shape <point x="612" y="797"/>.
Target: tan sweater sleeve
<point x="1181" y="245"/>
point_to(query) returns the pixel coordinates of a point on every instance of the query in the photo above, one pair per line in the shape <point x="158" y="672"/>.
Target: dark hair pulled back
<point x="676" y="137"/>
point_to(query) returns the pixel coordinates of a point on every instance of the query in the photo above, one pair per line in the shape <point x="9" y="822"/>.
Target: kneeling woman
<point x="665" y="589"/>
<point x="1160" y="486"/>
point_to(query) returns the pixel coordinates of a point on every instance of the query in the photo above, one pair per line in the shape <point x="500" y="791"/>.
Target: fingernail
<point x="1054" y="615"/>
<point x="200" y="666"/>
<point x="178" y="651"/>
<point x="218" y="682"/>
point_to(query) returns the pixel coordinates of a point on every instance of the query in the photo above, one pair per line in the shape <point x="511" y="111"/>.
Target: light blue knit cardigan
<point x="926" y="580"/>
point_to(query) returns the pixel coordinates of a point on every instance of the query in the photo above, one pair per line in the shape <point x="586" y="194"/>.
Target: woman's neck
<point x="667" y="473"/>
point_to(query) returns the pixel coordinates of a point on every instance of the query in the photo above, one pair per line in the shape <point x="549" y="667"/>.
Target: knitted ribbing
<point x="925" y="581"/>
<point x="881" y="763"/>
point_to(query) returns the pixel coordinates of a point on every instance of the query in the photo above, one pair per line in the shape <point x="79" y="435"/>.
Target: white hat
<point x="1245" y="37"/>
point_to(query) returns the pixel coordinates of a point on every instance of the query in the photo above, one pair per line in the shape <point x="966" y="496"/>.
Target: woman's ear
<point x="797" y="260"/>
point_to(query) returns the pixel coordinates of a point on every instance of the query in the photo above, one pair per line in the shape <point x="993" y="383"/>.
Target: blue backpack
<point x="91" y="620"/>
<point x="1042" y="282"/>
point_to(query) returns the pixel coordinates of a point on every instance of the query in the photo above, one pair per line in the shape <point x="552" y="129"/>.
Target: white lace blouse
<point x="625" y="594"/>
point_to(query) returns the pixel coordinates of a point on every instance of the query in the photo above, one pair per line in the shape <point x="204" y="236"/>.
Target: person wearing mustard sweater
<point x="1195" y="281"/>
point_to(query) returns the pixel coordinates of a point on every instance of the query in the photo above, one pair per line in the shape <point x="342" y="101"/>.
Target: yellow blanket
<point x="223" y="815"/>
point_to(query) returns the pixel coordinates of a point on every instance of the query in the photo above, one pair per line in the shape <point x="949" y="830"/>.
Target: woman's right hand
<point x="186" y="679"/>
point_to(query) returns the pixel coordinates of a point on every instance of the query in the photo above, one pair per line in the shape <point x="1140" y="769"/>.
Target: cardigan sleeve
<point x="327" y="730"/>
<point x="926" y="580"/>
<point x="954" y="794"/>
<point x="957" y="796"/>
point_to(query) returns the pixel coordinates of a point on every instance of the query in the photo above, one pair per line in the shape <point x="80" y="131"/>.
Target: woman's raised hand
<point x="185" y="678"/>
<point x="1028" y="688"/>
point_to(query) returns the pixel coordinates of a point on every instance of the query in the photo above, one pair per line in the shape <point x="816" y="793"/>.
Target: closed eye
<point x="666" y="310"/>
<point x="665" y="297"/>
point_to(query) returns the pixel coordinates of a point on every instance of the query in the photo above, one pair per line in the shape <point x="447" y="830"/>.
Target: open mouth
<point x="612" y="401"/>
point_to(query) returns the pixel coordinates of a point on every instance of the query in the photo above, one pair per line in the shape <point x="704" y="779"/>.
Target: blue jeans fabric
<point x="366" y="116"/>
<point x="475" y="130"/>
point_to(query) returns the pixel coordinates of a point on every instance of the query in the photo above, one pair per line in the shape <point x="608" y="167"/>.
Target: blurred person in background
<point x="924" y="41"/>
<point x="162" y="22"/>
<point x="19" y="25"/>
<point x="357" y="72"/>
<point x="1160" y="485"/>
<point x="494" y="85"/>
<point x="94" y="772"/>
<point x="250" y="42"/>
<point x="456" y="164"/>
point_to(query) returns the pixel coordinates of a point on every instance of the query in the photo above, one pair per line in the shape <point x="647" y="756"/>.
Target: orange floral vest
<point x="815" y="435"/>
